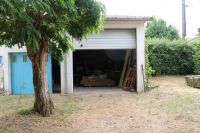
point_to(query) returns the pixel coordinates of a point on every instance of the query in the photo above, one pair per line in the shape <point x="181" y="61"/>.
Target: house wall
<point x="5" y="53"/>
<point x="66" y="65"/>
<point x="1" y="73"/>
<point x="1" y="77"/>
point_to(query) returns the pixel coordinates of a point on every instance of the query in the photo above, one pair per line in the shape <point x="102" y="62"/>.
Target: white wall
<point x="1" y="77"/>
<point x="1" y="70"/>
<point x="140" y="53"/>
<point x="67" y="74"/>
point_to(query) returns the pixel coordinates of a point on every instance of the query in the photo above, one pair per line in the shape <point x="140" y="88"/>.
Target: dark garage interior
<point x="100" y="68"/>
<point x="56" y="76"/>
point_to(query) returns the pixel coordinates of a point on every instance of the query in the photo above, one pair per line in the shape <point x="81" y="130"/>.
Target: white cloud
<point x="169" y="10"/>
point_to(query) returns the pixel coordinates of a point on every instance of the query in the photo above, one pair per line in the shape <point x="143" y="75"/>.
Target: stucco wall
<point x="1" y="77"/>
<point x="2" y="49"/>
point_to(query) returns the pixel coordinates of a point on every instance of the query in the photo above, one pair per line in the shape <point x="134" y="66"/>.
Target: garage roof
<point x="127" y="18"/>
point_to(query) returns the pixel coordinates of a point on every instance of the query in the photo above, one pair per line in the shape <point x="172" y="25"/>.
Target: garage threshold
<point x="99" y="90"/>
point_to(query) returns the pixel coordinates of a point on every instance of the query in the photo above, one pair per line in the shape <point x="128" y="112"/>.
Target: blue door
<point x="22" y="75"/>
<point x="0" y="60"/>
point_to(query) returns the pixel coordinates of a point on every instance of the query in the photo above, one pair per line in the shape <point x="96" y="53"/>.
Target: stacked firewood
<point x="93" y="80"/>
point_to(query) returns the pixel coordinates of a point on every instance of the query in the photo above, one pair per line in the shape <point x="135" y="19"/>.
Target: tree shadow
<point x="28" y="112"/>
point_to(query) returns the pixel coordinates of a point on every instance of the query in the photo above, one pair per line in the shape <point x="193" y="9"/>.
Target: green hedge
<point x="196" y="57"/>
<point x="171" y="57"/>
<point x="148" y="68"/>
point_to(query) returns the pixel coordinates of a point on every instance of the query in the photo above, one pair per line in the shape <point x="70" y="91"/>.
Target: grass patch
<point x="23" y="104"/>
<point x="10" y="104"/>
<point x="25" y="112"/>
<point x="69" y="106"/>
<point x="17" y="115"/>
<point x="152" y="85"/>
<point x="181" y="102"/>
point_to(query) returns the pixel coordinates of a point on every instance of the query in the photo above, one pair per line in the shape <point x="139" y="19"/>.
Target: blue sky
<point x="169" y="10"/>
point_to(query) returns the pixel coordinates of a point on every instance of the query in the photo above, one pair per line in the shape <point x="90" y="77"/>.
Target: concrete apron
<point x="99" y="91"/>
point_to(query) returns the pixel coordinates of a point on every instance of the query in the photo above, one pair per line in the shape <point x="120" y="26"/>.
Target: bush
<point x="196" y="57"/>
<point x="171" y="57"/>
<point x="148" y="69"/>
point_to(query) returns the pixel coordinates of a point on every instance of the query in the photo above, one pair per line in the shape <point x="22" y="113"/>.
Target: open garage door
<point x="101" y="68"/>
<point x="109" y="39"/>
<point x="104" y="51"/>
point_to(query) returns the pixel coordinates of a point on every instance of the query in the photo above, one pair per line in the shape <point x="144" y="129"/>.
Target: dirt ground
<point x="171" y="108"/>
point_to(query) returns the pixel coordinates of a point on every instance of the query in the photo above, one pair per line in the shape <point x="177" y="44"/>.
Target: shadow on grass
<point x="27" y="112"/>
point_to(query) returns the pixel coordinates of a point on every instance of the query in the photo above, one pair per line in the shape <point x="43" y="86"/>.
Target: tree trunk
<point x="43" y="102"/>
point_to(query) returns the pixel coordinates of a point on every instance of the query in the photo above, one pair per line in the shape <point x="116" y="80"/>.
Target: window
<point x="24" y="58"/>
<point x="14" y="58"/>
<point x="1" y="60"/>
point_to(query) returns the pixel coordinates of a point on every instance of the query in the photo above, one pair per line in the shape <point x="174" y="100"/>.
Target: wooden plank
<point x="130" y="80"/>
<point x="128" y="52"/>
<point x="97" y="82"/>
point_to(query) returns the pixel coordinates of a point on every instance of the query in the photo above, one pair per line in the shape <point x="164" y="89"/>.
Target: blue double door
<point x="22" y="74"/>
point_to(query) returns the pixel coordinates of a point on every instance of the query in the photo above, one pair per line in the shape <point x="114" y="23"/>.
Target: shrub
<point x="171" y="57"/>
<point x="196" y="57"/>
<point x="148" y="69"/>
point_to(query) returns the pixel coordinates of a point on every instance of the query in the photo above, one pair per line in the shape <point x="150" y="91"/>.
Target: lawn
<point x="16" y="114"/>
<point x="173" y="107"/>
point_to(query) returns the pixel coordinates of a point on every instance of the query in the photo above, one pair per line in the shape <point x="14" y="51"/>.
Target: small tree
<point x="46" y="26"/>
<point x="158" y="28"/>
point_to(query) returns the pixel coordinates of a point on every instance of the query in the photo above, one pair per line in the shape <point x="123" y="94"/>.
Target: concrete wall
<point x="1" y="77"/>
<point x="140" y="53"/>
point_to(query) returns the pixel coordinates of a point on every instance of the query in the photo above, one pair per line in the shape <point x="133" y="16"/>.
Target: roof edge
<point x="127" y="18"/>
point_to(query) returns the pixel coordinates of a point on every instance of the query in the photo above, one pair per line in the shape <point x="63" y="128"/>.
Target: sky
<point x="169" y="10"/>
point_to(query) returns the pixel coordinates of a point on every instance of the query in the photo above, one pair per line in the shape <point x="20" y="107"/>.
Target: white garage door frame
<point x="67" y="65"/>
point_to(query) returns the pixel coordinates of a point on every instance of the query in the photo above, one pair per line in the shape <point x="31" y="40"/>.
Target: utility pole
<point x="183" y="19"/>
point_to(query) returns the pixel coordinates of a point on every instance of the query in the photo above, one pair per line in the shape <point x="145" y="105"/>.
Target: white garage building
<point x="120" y="33"/>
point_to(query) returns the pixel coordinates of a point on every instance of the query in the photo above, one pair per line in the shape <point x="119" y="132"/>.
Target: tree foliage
<point x="25" y="22"/>
<point x="158" y="28"/>
<point x="196" y="57"/>
<point x="44" y="26"/>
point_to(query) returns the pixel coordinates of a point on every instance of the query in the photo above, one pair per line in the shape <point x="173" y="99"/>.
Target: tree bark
<point x="43" y="102"/>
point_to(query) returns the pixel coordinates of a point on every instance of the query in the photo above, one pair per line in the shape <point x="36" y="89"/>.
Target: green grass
<point x="9" y="104"/>
<point x="181" y="102"/>
<point x="23" y="104"/>
<point x="69" y="107"/>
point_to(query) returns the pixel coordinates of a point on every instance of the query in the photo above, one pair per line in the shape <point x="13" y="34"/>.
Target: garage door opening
<point x="56" y="76"/>
<point x="100" y="68"/>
